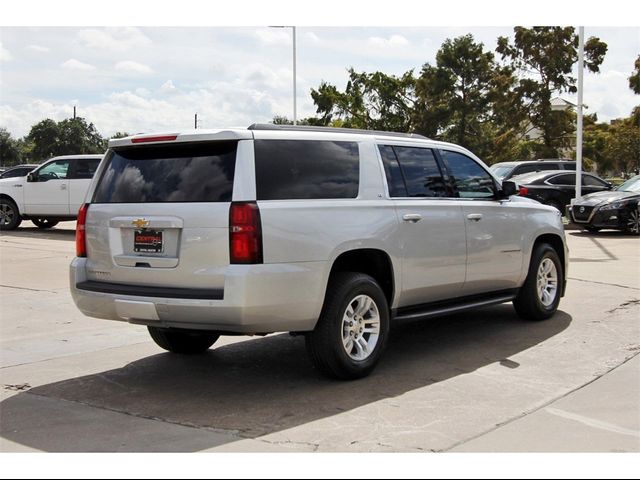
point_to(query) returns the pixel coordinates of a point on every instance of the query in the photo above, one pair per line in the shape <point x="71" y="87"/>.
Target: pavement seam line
<point x="30" y="289"/>
<point x="592" y="422"/>
<point x="536" y="409"/>
<point x="232" y="433"/>
<point x="603" y="283"/>
<point x="70" y="355"/>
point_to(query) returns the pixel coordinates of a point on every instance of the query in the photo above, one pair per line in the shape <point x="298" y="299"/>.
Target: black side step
<point x="438" y="309"/>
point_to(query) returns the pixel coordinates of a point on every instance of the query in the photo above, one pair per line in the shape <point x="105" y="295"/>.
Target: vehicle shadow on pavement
<point x="256" y="387"/>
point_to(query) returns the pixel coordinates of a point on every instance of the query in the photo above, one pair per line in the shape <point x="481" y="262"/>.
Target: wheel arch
<point x="370" y="261"/>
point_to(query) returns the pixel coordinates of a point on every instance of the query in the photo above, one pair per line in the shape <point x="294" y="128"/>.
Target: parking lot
<point x="481" y="381"/>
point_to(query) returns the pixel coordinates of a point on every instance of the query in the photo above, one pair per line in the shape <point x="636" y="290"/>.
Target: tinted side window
<point x="566" y="179"/>
<point x="84" y="168"/>
<point x="16" y="172"/>
<point x="421" y="172"/>
<point x="201" y="172"/>
<point x="590" y="181"/>
<point x="470" y="179"/>
<point x="395" y="180"/>
<point x="303" y="169"/>
<point x="533" y="168"/>
<point x="568" y="166"/>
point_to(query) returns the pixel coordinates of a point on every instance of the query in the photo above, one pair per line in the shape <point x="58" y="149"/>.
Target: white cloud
<point x="114" y="39"/>
<point x="274" y="36"/>
<point x="392" y="41"/>
<point x="5" y="55"/>
<point x="73" y="64"/>
<point x="38" y="48"/>
<point x="168" y="87"/>
<point x="133" y="67"/>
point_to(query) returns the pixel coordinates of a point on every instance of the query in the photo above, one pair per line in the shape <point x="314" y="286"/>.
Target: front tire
<point x="539" y="297"/>
<point x="633" y="222"/>
<point x="10" y="218"/>
<point x="44" y="223"/>
<point x="353" y="328"/>
<point x="184" y="342"/>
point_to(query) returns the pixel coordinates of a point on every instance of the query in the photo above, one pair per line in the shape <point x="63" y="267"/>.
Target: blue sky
<point x="141" y="79"/>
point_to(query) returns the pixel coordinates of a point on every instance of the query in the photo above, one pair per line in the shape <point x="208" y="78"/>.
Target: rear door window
<point x="306" y="169"/>
<point x="566" y="179"/>
<point x="412" y="172"/>
<point x="198" y="172"/>
<point x="84" y="168"/>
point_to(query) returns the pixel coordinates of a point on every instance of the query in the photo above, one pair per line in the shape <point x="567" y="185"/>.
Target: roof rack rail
<point x="310" y="128"/>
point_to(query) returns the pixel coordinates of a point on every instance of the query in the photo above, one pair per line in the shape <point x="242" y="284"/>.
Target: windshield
<point x="501" y="171"/>
<point x="631" y="185"/>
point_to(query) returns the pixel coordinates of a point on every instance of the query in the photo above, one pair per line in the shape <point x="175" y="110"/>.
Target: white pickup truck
<point x="51" y="193"/>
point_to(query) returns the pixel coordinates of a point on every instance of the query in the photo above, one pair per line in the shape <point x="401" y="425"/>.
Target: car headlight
<point x="616" y="205"/>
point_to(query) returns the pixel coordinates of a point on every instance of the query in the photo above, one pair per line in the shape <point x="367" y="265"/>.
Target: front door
<point x="494" y="228"/>
<point x="48" y="193"/>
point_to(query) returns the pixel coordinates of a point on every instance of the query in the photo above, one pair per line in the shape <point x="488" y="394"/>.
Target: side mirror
<point x="32" y="177"/>
<point x="508" y="188"/>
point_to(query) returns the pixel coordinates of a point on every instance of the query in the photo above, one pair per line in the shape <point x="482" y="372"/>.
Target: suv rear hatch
<point x="159" y="215"/>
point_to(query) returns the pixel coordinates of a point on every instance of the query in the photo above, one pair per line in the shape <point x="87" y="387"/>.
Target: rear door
<point x="48" y="194"/>
<point x="81" y="173"/>
<point x="432" y="231"/>
<point x="159" y="215"/>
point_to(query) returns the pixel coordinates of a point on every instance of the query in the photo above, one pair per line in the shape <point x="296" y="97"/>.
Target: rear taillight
<point x="523" y="191"/>
<point x="245" y="233"/>
<point x="81" y="235"/>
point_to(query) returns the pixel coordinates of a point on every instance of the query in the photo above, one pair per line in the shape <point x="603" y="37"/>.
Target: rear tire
<point x="44" y="223"/>
<point x="539" y="297"/>
<point x="10" y="218"/>
<point x="184" y="342"/>
<point x="353" y="328"/>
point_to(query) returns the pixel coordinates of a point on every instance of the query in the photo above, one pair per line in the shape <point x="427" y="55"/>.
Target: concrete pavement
<point x="480" y="381"/>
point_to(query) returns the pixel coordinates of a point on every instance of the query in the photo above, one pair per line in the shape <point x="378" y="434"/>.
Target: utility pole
<point x="196" y="122"/>
<point x="295" y="101"/>
<point x="74" y="112"/>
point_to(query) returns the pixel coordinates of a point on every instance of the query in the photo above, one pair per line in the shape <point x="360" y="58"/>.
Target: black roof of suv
<point x="506" y="170"/>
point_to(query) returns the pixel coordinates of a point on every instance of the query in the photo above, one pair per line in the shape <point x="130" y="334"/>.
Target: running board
<point x="437" y="309"/>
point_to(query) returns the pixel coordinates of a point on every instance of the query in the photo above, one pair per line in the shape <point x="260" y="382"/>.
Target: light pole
<point x="295" y="102"/>
<point x="579" y="125"/>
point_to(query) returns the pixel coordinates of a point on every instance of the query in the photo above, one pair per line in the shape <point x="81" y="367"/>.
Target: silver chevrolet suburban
<point x="329" y="233"/>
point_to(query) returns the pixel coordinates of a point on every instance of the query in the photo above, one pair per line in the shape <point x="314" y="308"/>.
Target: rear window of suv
<point x="198" y="172"/>
<point x="306" y="169"/>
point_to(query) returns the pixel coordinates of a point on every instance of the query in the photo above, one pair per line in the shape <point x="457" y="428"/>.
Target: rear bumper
<point x="256" y="299"/>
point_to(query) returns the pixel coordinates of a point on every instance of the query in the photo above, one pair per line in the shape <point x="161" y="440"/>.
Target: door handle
<point x="63" y="187"/>
<point x="412" y="217"/>
<point x="475" y="217"/>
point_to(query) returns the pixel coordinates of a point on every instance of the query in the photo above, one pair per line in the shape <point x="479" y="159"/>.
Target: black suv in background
<point x="506" y="170"/>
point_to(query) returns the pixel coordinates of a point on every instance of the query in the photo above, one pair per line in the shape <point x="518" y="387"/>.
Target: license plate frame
<point x="148" y="241"/>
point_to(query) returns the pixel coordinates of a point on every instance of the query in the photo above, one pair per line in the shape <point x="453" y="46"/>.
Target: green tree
<point x="44" y="137"/>
<point x="545" y="56"/>
<point x="119" y="135"/>
<point x="455" y="94"/>
<point x="10" y="153"/>
<point x="78" y="136"/>
<point x="373" y="101"/>
<point x="71" y="136"/>
<point x="623" y="145"/>
<point x="634" y="79"/>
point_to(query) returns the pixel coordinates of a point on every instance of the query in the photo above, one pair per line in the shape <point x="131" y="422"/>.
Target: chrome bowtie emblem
<point x="581" y="209"/>
<point x="140" y="223"/>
